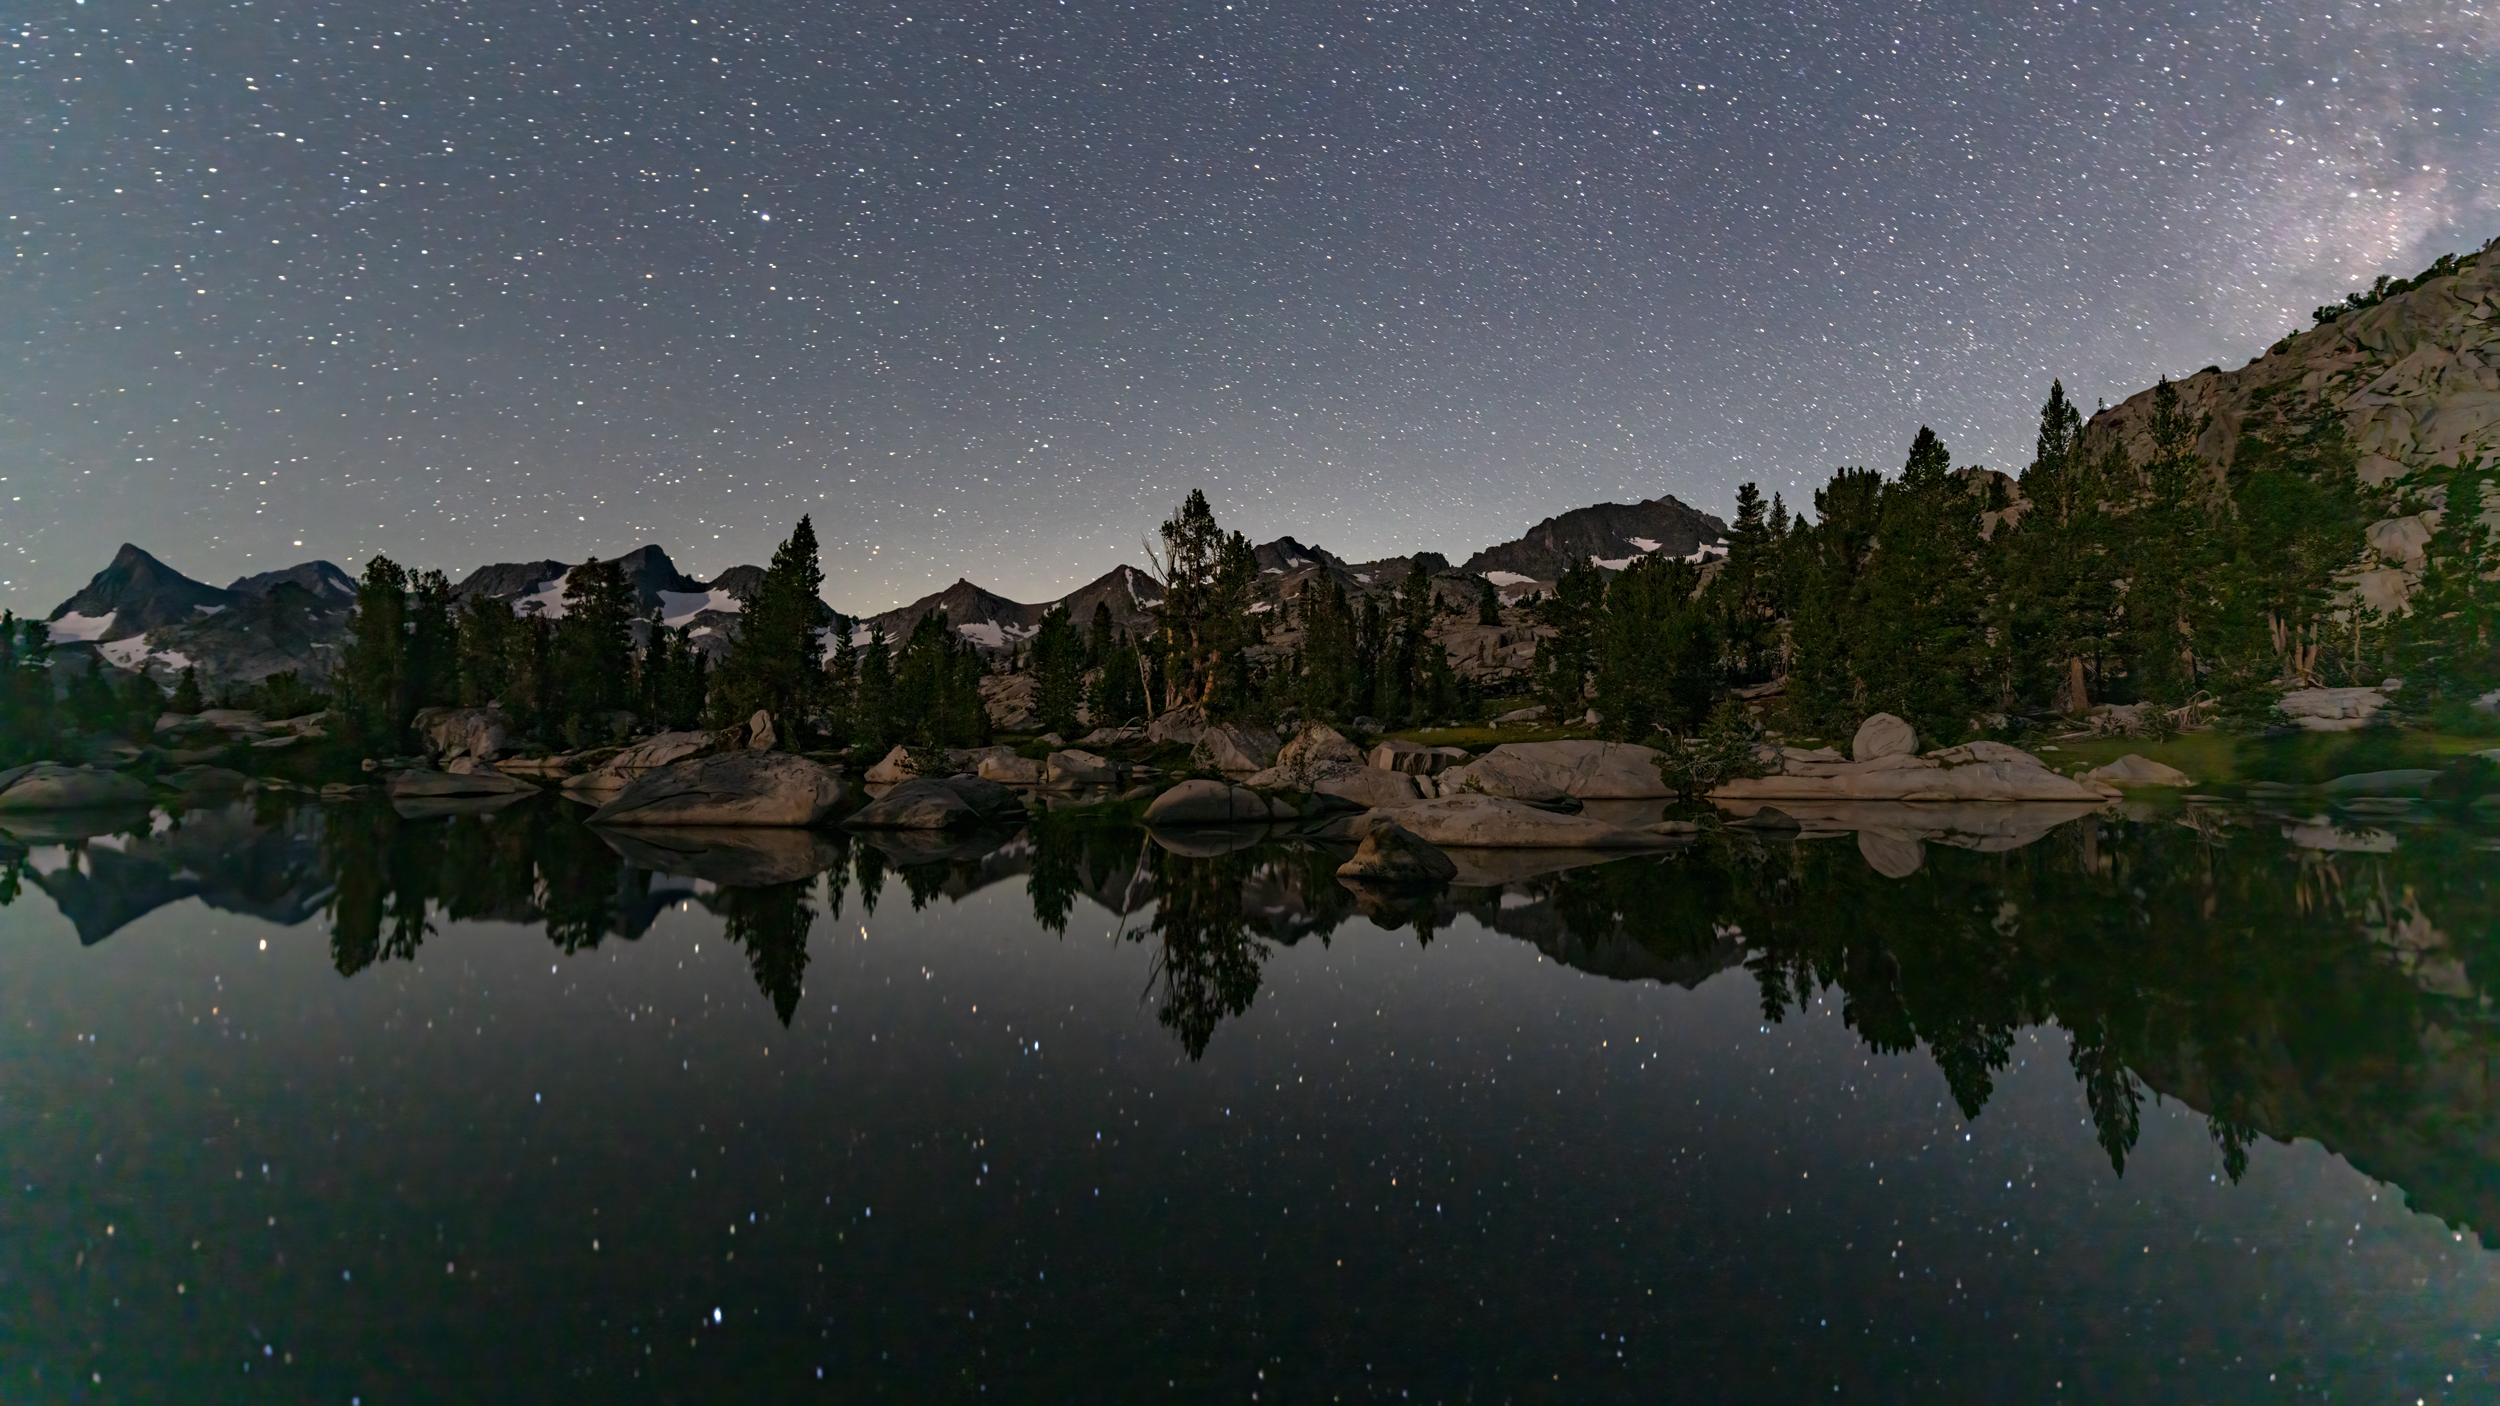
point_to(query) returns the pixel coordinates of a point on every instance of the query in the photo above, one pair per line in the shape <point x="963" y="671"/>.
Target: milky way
<point x="986" y="288"/>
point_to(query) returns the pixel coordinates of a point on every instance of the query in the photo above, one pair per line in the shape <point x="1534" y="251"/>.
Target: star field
<point x="987" y="287"/>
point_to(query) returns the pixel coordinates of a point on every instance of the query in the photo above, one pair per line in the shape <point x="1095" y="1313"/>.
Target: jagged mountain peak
<point x="323" y="579"/>
<point x="1608" y="533"/>
<point x="135" y="594"/>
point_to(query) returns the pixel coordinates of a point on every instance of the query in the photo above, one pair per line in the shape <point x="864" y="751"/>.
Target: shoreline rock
<point x="732" y="788"/>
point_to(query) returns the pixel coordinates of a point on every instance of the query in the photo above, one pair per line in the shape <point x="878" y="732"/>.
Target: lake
<point x="323" y="1102"/>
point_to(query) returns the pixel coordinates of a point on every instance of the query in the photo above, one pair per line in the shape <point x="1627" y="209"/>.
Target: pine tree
<point x="872" y="707"/>
<point x="1566" y="661"/>
<point x="1489" y="604"/>
<point x="777" y="663"/>
<point x="1921" y="605"/>
<point x="26" y="711"/>
<point x="186" y="697"/>
<point x="594" y="648"/>
<point x="1827" y="561"/>
<point x="1657" y="651"/>
<point x="1058" y="671"/>
<point x="372" y="682"/>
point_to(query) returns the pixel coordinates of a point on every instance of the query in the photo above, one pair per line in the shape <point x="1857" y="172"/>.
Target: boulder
<point x="1416" y="759"/>
<point x="918" y="804"/>
<point x="1522" y="715"/>
<point x="1391" y="854"/>
<point x="1497" y="822"/>
<point x="1112" y="736"/>
<point x="1011" y="770"/>
<point x="1368" y="787"/>
<point x="652" y="753"/>
<point x="2335" y="709"/>
<point x="1318" y="745"/>
<point x="2135" y="770"/>
<point x="1074" y="768"/>
<point x="1183" y="724"/>
<point x="1532" y="771"/>
<point x="895" y="767"/>
<point x="732" y="788"/>
<point x="481" y="781"/>
<point x="51" y="786"/>
<point x="1883" y="735"/>
<point x="989" y="799"/>
<point x="462" y="732"/>
<point x="761" y="735"/>
<point x="1203" y="802"/>
<point x="1237" y="749"/>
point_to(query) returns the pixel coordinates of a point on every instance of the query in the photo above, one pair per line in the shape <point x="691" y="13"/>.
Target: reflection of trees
<point x="771" y="923"/>
<point x="1207" y="964"/>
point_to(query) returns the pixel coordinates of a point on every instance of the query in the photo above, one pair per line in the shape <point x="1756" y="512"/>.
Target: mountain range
<point x="139" y="613"/>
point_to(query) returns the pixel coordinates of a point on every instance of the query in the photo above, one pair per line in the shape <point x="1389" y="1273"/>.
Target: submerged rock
<point x="733" y="788"/>
<point x="455" y="783"/>
<point x="2137" y="770"/>
<point x="1392" y="854"/>
<point x="51" y="786"/>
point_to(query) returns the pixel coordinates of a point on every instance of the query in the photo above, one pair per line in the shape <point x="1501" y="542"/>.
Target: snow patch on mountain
<point x="83" y="627"/>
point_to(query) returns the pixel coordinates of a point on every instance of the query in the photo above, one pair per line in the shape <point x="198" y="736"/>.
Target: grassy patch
<point x="2220" y="759"/>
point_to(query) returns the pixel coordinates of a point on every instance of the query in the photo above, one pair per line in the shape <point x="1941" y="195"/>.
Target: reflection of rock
<point x="1989" y="827"/>
<point x="1891" y="853"/>
<point x="736" y="857"/>
<point x="1208" y="842"/>
<point x="1492" y="822"/>
<point x="734" y="788"/>
<point x="2324" y="835"/>
<point x="50" y="786"/>
<point x="437" y="807"/>
<point x="1391" y="854"/>
<point x="414" y="784"/>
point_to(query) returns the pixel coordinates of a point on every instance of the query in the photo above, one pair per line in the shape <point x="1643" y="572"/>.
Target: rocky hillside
<point x="997" y="624"/>
<point x="2413" y="374"/>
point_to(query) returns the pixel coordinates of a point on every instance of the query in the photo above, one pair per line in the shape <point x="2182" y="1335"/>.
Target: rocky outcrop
<point x="1416" y="759"/>
<point x="1975" y="771"/>
<point x="731" y="788"/>
<point x="2336" y="709"/>
<point x="1366" y="786"/>
<point x="1078" y="768"/>
<point x="1496" y="822"/>
<point x="1543" y="771"/>
<point x="49" y="786"/>
<point x="1204" y="802"/>
<point x="1315" y="746"/>
<point x="464" y="732"/>
<point x="1009" y="699"/>
<point x="1391" y="854"/>
<point x="1237" y="749"/>
<point x="1011" y="770"/>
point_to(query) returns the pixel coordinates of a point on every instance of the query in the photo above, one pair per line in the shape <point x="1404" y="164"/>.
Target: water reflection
<point x="2285" y="969"/>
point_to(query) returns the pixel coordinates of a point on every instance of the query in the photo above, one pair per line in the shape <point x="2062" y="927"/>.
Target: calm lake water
<point x="322" y="1103"/>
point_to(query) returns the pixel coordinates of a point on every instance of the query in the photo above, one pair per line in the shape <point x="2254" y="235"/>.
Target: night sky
<point x="987" y="287"/>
